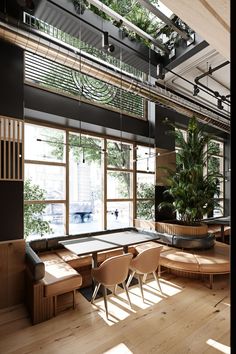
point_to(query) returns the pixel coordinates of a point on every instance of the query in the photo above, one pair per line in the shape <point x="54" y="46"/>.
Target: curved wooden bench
<point x="215" y="260"/>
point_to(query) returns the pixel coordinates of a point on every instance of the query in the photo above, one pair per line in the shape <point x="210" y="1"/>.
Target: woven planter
<point x="182" y="230"/>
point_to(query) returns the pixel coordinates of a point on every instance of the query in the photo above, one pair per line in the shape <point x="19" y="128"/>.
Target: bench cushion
<point x="215" y="260"/>
<point x="177" y="259"/>
<point x="59" y="277"/>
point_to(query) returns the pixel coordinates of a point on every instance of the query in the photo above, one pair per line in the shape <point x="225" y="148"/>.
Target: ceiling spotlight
<point x="195" y="90"/>
<point x="219" y="104"/>
<point x="105" y="43"/>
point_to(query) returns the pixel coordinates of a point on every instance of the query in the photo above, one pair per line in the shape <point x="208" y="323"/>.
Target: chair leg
<point x="95" y="292"/>
<point x="144" y="277"/>
<point x="130" y="278"/>
<point x="157" y="280"/>
<point x="115" y="289"/>
<point x="105" y="300"/>
<point x="127" y="293"/>
<point x="140" y="285"/>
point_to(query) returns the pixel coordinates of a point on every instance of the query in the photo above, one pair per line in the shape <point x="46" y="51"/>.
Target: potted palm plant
<point x="193" y="188"/>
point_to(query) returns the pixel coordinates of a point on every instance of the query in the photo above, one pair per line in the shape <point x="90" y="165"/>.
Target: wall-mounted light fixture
<point x="105" y="43"/>
<point x="160" y="71"/>
<point x="219" y="104"/>
<point x="196" y="90"/>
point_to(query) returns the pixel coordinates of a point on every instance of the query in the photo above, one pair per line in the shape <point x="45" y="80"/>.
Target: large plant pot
<point x="183" y="236"/>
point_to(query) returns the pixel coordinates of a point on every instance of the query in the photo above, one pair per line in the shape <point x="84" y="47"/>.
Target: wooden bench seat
<point x="216" y="230"/>
<point x="215" y="260"/>
<point x="58" y="278"/>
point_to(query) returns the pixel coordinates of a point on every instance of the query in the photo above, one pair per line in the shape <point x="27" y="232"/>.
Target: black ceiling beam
<point x="184" y="52"/>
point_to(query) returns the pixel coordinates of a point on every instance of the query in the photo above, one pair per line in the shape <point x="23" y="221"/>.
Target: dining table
<point x="222" y="222"/>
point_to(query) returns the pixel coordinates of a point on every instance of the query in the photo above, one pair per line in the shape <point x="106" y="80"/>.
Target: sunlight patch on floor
<point x="119" y="349"/>
<point x="219" y="346"/>
<point x="118" y="306"/>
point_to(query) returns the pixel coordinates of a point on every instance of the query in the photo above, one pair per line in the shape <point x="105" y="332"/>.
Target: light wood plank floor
<point x="187" y="318"/>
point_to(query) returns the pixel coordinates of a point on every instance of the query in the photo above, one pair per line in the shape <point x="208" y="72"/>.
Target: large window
<point x="216" y="164"/>
<point x="45" y="182"/>
<point x="79" y="183"/>
<point x="119" y="193"/>
<point x="145" y="182"/>
<point x="85" y="184"/>
<point x="76" y="183"/>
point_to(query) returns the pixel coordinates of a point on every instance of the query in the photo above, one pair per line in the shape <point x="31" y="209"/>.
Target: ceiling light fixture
<point x="160" y="71"/>
<point x="219" y="104"/>
<point x="196" y="90"/>
<point x="105" y="43"/>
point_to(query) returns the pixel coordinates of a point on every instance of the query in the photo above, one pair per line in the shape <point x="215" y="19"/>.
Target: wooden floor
<point x="188" y="318"/>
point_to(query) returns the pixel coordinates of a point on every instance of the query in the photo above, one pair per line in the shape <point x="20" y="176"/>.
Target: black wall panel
<point x="12" y="80"/>
<point x="11" y="210"/>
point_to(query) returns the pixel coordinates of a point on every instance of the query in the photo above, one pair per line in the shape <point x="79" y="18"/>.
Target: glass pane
<point x="218" y="211"/>
<point x="86" y="184"/>
<point x="119" y="214"/>
<point x="45" y="181"/>
<point x="145" y="158"/>
<point x="51" y="146"/>
<point x="119" y="154"/>
<point x="216" y="147"/>
<point x="146" y="210"/>
<point x="119" y="185"/>
<point x="145" y="185"/>
<point x="46" y="220"/>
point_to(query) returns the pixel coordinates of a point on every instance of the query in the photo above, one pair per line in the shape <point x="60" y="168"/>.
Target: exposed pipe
<point x="209" y="72"/>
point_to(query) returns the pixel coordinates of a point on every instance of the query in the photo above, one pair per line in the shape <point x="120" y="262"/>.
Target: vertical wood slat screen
<point x="11" y="149"/>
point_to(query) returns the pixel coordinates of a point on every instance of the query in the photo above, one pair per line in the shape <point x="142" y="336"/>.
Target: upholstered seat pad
<point x="59" y="277"/>
<point x="216" y="259"/>
<point x="213" y="260"/>
<point x="179" y="260"/>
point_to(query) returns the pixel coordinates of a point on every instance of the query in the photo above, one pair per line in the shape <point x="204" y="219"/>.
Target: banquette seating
<point x="53" y="271"/>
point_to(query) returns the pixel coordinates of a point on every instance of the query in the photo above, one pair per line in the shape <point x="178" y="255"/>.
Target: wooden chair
<point x="144" y="263"/>
<point x="110" y="273"/>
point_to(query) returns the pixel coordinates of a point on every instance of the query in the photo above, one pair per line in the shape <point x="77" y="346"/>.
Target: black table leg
<point x="222" y="230"/>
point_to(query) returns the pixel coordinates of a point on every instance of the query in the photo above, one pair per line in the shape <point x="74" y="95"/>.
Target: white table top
<point x="94" y="244"/>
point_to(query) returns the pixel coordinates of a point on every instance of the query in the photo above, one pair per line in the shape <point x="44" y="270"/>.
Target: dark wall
<point x="11" y="105"/>
<point x="12" y="80"/>
<point x="43" y="101"/>
<point x="163" y="139"/>
<point x="11" y="210"/>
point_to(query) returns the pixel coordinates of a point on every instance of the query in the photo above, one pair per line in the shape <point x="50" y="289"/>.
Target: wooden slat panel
<point x="11" y="148"/>
<point x="12" y="265"/>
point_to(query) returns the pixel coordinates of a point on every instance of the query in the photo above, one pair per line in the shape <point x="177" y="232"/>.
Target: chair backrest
<point x="147" y="261"/>
<point x="114" y="270"/>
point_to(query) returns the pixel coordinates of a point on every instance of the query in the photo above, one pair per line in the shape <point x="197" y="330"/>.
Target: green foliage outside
<point x="192" y="190"/>
<point x="33" y="223"/>
<point x="118" y="156"/>
<point x="146" y="208"/>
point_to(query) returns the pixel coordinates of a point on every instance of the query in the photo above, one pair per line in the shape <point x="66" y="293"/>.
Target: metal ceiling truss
<point x="66" y="55"/>
<point x="164" y="18"/>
